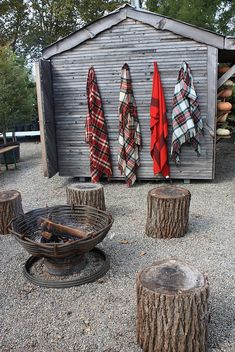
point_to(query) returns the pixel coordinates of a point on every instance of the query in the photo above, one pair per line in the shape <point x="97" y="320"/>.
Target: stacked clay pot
<point x="224" y="107"/>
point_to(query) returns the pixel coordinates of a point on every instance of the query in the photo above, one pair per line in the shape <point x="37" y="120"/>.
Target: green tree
<point x="216" y="15"/>
<point x="13" y="22"/>
<point x="16" y="91"/>
<point x="30" y="25"/>
<point x="225" y="21"/>
<point x="91" y="10"/>
<point x="48" y="21"/>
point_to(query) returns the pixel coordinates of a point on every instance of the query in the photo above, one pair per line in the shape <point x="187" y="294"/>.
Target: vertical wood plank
<point x="46" y="117"/>
<point x="212" y="74"/>
<point x="139" y="45"/>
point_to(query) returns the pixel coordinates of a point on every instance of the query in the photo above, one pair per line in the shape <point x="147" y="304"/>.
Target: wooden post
<point x="168" y="212"/>
<point x="91" y="194"/>
<point x="172" y="308"/>
<point x="10" y="207"/>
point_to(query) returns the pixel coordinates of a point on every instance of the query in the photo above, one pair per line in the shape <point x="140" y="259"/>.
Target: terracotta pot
<point x="224" y="106"/>
<point x="225" y="93"/>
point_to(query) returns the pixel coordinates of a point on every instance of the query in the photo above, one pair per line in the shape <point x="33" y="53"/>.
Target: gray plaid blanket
<point x="186" y="117"/>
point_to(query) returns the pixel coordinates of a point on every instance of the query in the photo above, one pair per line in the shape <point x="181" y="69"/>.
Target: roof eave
<point x="150" y="18"/>
<point x="229" y="43"/>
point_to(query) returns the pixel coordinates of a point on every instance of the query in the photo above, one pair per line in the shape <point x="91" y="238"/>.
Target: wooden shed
<point x="139" y="38"/>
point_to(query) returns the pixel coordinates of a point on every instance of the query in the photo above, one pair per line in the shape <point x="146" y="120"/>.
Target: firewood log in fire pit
<point x="50" y="226"/>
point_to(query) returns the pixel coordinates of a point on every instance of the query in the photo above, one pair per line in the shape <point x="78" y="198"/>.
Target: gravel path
<point x="101" y="316"/>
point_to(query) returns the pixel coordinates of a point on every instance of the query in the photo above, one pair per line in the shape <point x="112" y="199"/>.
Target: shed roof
<point x="151" y="18"/>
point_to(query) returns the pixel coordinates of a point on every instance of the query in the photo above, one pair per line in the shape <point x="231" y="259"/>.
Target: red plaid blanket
<point x="129" y="129"/>
<point x="96" y="133"/>
<point x="159" y="127"/>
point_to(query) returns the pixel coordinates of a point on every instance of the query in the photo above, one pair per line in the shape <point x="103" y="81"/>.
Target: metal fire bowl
<point x="25" y="226"/>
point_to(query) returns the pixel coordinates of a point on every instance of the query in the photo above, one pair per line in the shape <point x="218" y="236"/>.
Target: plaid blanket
<point x="129" y="129"/>
<point x="186" y="117"/>
<point x="96" y="133"/>
<point x="159" y="127"/>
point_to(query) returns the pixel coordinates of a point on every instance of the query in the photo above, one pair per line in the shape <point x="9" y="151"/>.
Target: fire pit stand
<point x="63" y="261"/>
<point x="77" y="281"/>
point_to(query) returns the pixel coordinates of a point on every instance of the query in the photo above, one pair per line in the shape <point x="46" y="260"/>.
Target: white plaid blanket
<point x="186" y="117"/>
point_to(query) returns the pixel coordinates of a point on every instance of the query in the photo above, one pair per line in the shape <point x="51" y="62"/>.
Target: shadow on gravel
<point x="199" y="224"/>
<point x="225" y="160"/>
<point x="221" y="326"/>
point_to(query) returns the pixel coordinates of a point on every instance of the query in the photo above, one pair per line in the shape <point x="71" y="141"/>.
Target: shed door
<point x="46" y="117"/>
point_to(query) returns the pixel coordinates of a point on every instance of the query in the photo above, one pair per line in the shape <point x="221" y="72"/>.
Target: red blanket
<point x="159" y="127"/>
<point x="96" y="133"/>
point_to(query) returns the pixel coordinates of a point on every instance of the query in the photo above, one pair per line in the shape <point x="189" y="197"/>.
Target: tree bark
<point x="86" y="194"/>
<point x="10" y="207"/>
<point x="168" y="212"/>
<point x="172" y="308"/>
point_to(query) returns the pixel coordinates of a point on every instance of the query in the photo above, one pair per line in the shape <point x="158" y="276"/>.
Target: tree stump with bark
<point x="91" y="194"/>
<point x="10" y="207"/>
<point x="172" y="308"/>
<point x="167" y="212"/>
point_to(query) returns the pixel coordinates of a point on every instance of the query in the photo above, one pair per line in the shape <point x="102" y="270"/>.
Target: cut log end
<point x="168" y="192"/>
<point x="85" y="186"/>
<point x="7" y="196"/>
<point x="171" y="276"/>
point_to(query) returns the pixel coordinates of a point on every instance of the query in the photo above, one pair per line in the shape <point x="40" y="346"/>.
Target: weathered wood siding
<point x="139" y="45"/>
<point x="46" y="117"/>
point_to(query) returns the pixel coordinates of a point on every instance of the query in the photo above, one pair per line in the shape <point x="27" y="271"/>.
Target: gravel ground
<point x="101" y="316"/>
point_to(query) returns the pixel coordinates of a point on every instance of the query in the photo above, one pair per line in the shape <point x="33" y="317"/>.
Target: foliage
<point x="91" y="10"/>
<point x="30" y="25"/>
<point x="217" y="15"/>
<point x="16" y="91"/>
<point x="49" y="20"/>
<point x="13" y="22"/>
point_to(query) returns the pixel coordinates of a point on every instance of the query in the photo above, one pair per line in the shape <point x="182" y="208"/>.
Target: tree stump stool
<point x="91" y="194"/>
<point x="172" y="308"/>
<point x="168" y="212"/>
<point x="10" y="207"/>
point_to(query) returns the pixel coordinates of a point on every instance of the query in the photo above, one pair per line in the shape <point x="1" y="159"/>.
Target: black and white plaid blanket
<point x="186" y="117"/>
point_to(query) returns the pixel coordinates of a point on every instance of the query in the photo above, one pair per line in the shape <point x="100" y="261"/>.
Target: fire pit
<point x="59" y="252"/>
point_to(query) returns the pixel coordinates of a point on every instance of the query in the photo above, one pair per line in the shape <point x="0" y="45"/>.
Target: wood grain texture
<point x="139" y="45"/>
<point x="172" y="308"/>
<point x="46" y="118"/>
<point x="226" y="76"/>
<point x="167" y="212"/>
